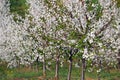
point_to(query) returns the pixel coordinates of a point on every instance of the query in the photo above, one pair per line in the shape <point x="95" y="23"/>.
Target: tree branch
<point x="103" y="28"/>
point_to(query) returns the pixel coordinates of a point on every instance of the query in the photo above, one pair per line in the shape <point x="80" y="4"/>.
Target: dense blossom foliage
<point x="91" y="26"/>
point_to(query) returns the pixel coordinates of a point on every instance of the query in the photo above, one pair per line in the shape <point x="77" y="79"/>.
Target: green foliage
<point x="56" y="42"/>
<point x="98" y="11"/>
<point x="97" y="8"/>
<point x="62" y="8"/>
<point x="89" y="4"/>
<point x="57" y="6"/>
<point x="18" y="7"/>
<point x="61" y="26"/>
<point x="40" y="51"/>
<point x="81" y="43"/>
<point x="118" y="3"/>
<point x="48" y="3"/>
<point x="73" y="35"/>
<point x="42" y="19"/>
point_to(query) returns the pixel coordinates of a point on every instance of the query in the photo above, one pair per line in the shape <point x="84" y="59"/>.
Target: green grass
<point x="112" y="75"/>
<point x="25" y="73"/>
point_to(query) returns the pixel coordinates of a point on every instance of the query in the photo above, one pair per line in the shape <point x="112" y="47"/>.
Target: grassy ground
<point x="26" y="73"/>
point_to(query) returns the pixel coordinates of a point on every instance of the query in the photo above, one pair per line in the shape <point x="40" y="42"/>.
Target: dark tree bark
<point x="37" y="63"/>
<point x="83" y="69"/>
<point x="44" y="66"/>
<point x="70" y="52"/>
<point x="57" y="68"/>
<point x="118" y="59"/>
<point x="100" y="65"/>
<point x="70" y="69"/>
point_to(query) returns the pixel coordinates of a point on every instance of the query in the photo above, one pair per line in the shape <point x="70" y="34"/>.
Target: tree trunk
<point x="70" y="70"/>
<point x="83" y="69"/>
<point x="100" y="65"/>
<point x="44" y="66"/>
<point x="118" y="58"/>
<point x="57" y="68"/>
<point x="98" y="76"/>
<point x="37" y="64"/>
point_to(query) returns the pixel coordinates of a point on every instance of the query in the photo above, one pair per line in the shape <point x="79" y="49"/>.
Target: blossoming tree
<point x="50" y="26"/>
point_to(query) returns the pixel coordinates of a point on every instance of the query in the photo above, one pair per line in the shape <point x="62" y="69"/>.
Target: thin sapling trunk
<point x="57" y="68"/>
<point x="83" y="69"/>
<point x="70" y="69"/>
<point x="44" y="66"/>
